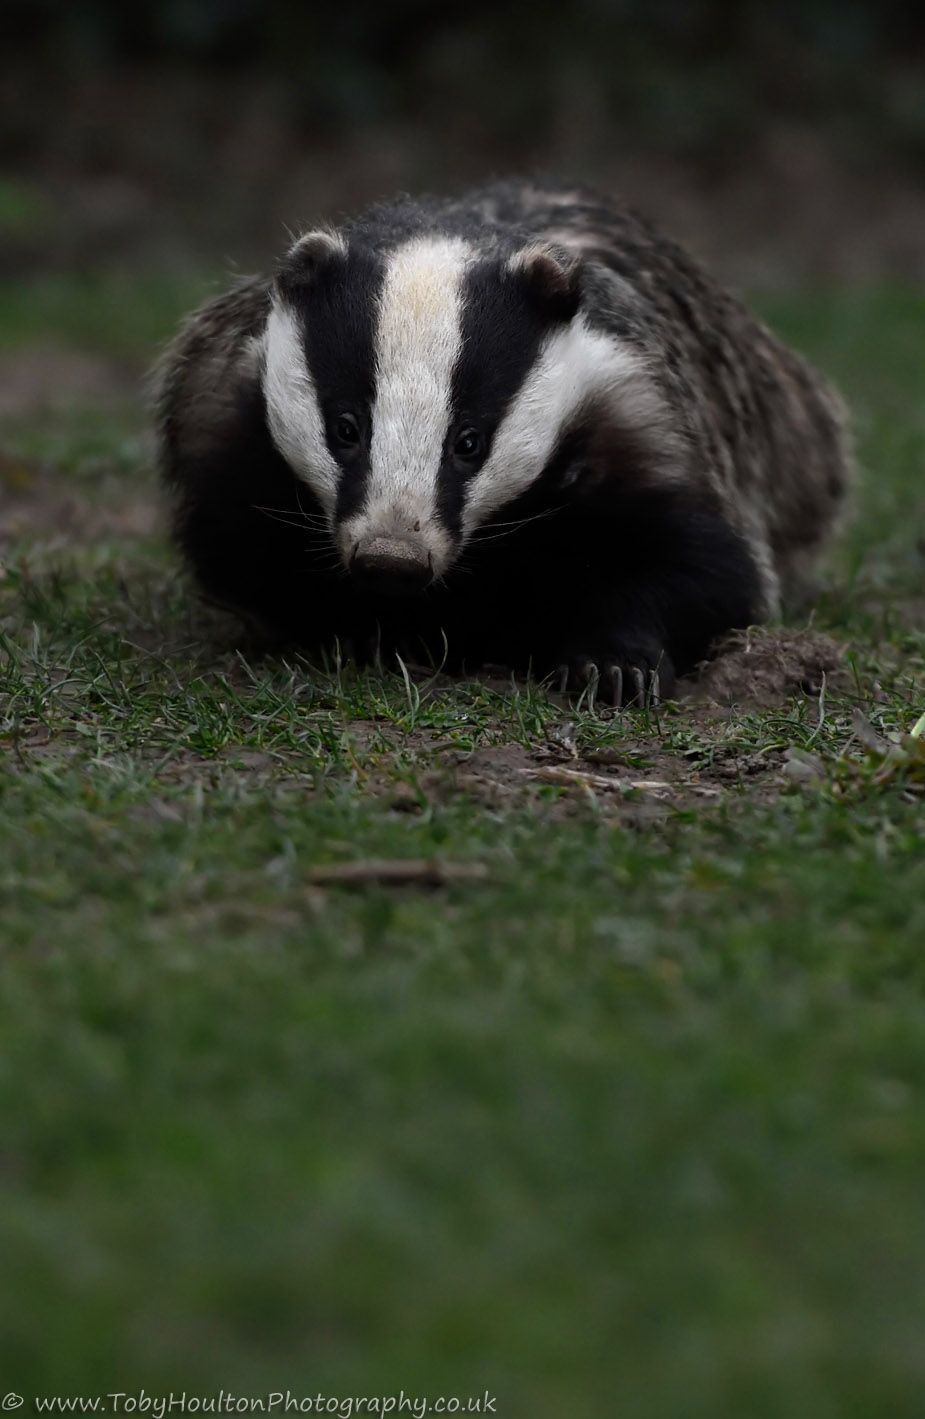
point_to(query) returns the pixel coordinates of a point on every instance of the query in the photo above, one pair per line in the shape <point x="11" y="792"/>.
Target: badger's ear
<point x="313" y="254"/>
<point x="552" y="275"/>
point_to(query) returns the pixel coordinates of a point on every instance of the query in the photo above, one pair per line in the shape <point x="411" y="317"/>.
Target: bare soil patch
<point x="49" y="377"/>
<point x="763" y="668"/>
<point x="619" y="787"/>
<point x="49" y="510"/>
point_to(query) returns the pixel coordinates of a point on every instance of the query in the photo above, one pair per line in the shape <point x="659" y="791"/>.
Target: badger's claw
<point x="634" y="679"/>
<point x="611" y="684"/>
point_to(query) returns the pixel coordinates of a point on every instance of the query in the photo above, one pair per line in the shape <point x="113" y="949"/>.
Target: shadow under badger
<point x="520" y="427"/>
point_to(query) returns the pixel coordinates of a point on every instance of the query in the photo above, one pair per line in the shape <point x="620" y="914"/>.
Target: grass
<point x="633" y="1125"/>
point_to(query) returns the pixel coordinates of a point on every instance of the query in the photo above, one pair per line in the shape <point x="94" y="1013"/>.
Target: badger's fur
<point x="528" y="412"/>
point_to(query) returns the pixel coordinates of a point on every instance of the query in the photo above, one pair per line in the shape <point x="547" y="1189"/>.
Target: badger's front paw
<point x="637" y="672"/>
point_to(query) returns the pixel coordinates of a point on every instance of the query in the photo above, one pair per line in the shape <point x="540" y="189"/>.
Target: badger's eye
<point x="347" y="431"/>
<point x="468" y="444"/>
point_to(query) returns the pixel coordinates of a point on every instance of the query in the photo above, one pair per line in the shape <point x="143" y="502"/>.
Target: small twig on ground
<point x="556" y="774"/>
<point x="399" y="872"/>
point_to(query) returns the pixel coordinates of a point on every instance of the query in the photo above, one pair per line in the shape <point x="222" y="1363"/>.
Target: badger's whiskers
<point x="493" y="531"/>
<point x="294" y="517"/>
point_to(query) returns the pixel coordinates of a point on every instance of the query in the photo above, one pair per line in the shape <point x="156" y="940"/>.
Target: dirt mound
<point x="761" y="667"/>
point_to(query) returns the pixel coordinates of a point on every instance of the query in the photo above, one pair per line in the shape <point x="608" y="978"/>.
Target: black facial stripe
<point x="548" y="491"/>
<point x="337" y="311"/>
<point x="501" y="333"/>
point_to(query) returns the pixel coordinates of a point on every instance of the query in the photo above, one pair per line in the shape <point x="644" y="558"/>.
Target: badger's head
<point x="419" y="391"/>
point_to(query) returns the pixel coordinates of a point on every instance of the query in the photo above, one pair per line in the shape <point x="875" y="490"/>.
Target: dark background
<point x="784" y="141"/>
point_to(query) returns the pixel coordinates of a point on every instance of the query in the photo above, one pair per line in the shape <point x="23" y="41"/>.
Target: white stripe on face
<point x="418" y="340"/>
<point x="576" y="366"/>
<point x="293" y="411"/>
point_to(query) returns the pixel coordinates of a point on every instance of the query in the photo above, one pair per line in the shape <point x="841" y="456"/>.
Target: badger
<point x="519" y="427"/>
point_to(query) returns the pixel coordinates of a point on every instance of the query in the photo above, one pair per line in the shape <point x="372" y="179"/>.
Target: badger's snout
<point x="396" y="566"/>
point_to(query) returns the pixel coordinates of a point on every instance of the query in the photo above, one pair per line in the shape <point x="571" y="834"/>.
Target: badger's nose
<point x="393" y="565"/>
